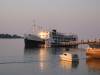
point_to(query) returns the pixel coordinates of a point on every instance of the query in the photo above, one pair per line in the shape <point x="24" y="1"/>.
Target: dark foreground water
<point x="16" y="60"/>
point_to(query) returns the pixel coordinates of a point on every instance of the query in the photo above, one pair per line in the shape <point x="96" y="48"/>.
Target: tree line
<point x="10" y="36"/>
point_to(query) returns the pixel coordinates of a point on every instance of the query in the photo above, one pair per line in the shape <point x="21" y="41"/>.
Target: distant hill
<point x="10" y="36"/>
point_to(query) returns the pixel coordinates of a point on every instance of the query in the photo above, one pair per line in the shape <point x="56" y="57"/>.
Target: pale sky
<point x="68" y="16"/>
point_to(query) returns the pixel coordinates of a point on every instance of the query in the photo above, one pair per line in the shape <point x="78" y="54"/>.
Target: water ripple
<point x="29" y="59"/>
<point x="10" y="60"/>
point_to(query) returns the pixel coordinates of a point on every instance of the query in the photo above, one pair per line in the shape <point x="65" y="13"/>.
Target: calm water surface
<point x="16" y="60"/>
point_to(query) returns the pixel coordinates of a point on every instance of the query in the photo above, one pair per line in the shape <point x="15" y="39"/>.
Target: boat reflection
<point x="93" y="64"/>
<point x="39" y="55"/>
<point x="57" y="51"/>
<point x="69" y="65"/>
<point x="43" y="56"/>
<point x="65" y="64"/>
<point x="30" y="51"/>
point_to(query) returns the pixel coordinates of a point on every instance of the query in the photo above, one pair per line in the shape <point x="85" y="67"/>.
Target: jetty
<point x="94" y="43"/>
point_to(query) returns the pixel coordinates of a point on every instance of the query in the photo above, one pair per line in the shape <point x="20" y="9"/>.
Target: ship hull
<point x="33" y="43"/>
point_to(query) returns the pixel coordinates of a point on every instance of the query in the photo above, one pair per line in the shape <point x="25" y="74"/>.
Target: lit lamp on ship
<point x="44" y="36"/>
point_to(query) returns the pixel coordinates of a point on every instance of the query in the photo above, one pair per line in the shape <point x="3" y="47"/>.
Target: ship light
<point x="44" y="35"/>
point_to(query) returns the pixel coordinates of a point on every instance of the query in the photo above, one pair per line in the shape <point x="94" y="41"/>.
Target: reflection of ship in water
<point x="43" y="57"/>
<point x="93" y="64"/>
<point x="55" y="50"/>
<point x="68" y="65"/>
<point x="31" y="51"/>
<point x="58" y="50"/>
<point x="38" y="55"/>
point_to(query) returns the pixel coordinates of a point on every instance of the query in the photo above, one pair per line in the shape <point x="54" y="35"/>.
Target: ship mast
<point x="34" y="28"/>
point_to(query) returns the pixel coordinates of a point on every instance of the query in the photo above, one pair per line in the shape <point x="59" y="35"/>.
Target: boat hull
<point x="33" y="43"/>
<point x="64" y="58"/>
<point x="69" y="57"/>
<point x="93" y="53"/>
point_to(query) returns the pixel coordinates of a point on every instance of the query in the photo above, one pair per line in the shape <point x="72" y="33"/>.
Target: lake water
<point x="16" y="60"/>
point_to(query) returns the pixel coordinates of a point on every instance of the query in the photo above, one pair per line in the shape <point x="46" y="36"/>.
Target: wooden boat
<point x="93" y="52"/>
<point x="69" y="57"/>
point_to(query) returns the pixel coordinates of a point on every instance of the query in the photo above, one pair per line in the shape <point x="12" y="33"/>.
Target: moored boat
<point x="93" y="52"/>
<point x="49" y="39"/>
<point x="69" y="57"/>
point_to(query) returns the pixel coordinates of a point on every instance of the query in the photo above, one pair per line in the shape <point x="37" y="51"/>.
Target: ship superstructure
<point x="57" y="38"/>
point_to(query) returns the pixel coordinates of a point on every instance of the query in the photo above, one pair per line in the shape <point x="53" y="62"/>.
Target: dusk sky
<point x="68" y="16"/>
